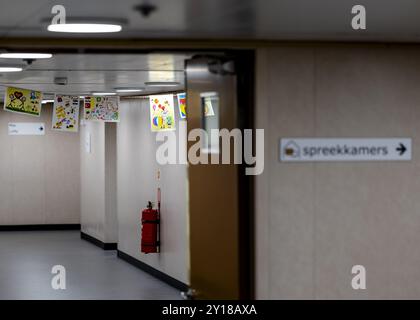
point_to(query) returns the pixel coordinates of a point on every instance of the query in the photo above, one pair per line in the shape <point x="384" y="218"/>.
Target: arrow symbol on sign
<point x="401" y="149"/>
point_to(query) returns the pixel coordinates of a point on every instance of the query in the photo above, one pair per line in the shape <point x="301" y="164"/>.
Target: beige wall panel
<point x="111" y="221"/>
<point x="63" y="182"/>
<point x="290" y="202"/>
<point x="6" y="172"/>
<point x="137" y="183"/>
<point x="29" y="179"/>
<point x="367" y="213"/>
<point x="262" y="227"/>
<point x="92" y="172"/>
<point x="39" y="174"/>
<point x="323" y="218"/>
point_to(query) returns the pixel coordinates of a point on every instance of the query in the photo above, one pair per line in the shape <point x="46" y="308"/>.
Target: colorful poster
<point x="102" y="108"/>
<point x="66" y="113"/>
<point x="23" y="101"/>
<point x="182" y="105"/>
<point x="162" y="114"/>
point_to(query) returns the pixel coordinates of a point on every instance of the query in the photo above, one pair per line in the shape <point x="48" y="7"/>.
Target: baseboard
<point x="154" y="272"/>
<point x="99" y="243"/>
<point x="40" y="227"/>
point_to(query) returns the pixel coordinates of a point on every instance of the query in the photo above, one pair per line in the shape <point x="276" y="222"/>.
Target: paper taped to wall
<point x="102" y="108"/>
<point x="162" y="114"/>
<point x="66" y="113"/>
<point x="23" y="101"/>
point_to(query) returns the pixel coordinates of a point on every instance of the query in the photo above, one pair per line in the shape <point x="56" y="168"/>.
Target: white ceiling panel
<point x="251" y="19"/>
<point x="169" y="62"/>
<point x="86" y="73"/>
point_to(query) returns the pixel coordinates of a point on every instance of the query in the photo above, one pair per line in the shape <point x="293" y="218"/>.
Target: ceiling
<point x="88" y="73"/>
<point x="387" y="20"/>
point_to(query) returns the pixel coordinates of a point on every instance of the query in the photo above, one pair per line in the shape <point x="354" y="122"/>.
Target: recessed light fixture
<point x="103" y="93"/>
<point x="87" y="25"/>
<point x="23" y="55"/>
<point x="84" y="28"/>
<point x="162" y="84"/>
<point x="11" y="68"/>
<point x="128" y="90"/>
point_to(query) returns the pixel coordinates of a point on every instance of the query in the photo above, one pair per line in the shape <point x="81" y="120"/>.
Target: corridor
<point x="91" y="273"/>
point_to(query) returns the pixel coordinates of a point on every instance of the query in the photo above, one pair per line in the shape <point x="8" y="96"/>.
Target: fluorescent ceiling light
<point x="12" y="55"/>
<point x="103" y="93"/>
<point x="10" y="69"/>
<point x="84" y="28"/>
<point x="47" y="101"/>
<point x="162" y="84"/>
<point x="128" y="90"/>
<point x="5" y="67"/>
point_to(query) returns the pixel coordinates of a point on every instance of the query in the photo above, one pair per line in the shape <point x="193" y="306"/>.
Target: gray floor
<point x="26" y="260"/>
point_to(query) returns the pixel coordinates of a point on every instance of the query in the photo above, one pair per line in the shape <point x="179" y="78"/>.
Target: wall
<point x="137" y="183"/>
<point x="316" y="220"/>
<point x="39" y="175"/>
<point x="98" y="181"/>
<point x="111" y="220"/>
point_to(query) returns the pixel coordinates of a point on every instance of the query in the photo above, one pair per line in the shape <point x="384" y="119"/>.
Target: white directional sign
<point x="336" y="149"/>
<point x="26" y="129"/>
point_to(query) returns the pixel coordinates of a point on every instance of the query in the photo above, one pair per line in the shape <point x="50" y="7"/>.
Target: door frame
<point x="244" y="55"/>
<point x="245" y="63"/>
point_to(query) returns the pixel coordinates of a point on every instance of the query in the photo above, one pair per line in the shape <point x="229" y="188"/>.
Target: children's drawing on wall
<point x="23" y="101"/>
<point x="162" y="114"/>
<point x="182" y="105"/>
<point x="102" y="108"/>
<point x="66" y="113"/>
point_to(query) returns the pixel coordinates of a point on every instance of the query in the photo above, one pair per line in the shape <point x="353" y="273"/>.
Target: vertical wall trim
<point x="262" y="202"/>
<point x="314" y="166"/>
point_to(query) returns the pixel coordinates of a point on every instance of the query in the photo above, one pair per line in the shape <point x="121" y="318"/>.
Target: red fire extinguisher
<point x="150" y="220"/>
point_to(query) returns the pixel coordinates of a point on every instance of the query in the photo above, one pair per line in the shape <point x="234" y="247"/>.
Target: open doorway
<point x="100" y="178"/>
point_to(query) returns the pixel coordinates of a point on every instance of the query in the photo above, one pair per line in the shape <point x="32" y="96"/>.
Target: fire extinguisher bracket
<point x="151" y="221"/>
